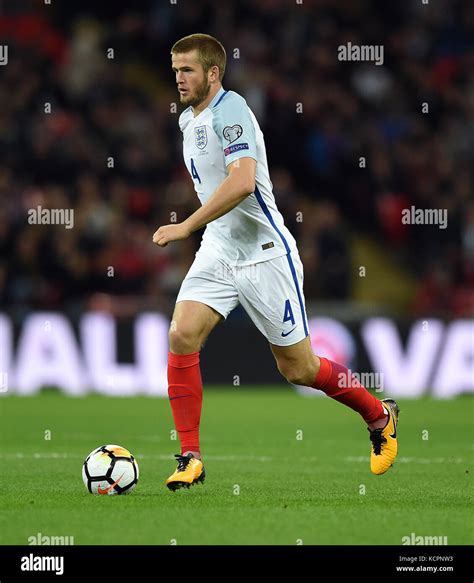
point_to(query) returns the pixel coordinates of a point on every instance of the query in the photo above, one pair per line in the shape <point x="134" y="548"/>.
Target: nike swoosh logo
<point x="99" y="489"/>
<point x="394" y="434"/>
<point x="179" y="397"/>
<point x="283" y="334"/>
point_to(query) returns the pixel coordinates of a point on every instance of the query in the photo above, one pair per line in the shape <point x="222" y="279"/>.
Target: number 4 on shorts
<point x="288" y="315"/>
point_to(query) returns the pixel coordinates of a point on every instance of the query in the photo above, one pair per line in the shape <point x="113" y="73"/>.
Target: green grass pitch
<point x="281" y="469"/>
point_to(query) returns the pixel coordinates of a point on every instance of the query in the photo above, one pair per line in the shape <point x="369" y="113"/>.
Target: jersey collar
<point x="215" y="100"/>
<point x="216" y="97"/>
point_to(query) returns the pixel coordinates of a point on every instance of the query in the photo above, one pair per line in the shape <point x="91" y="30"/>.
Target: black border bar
<point x="191" y="563"/>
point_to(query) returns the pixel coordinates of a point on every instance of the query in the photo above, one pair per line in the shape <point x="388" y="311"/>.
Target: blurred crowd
<point x="95" y="130"/>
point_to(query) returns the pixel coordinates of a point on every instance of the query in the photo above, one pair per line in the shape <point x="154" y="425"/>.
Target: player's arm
<point x="239" y="183"/>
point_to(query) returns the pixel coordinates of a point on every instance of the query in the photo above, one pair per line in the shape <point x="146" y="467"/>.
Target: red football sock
<point x="185" y="394"/>
<point x="338" y="383"/>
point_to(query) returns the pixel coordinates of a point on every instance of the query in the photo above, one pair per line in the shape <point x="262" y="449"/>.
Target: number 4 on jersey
<point x="194" y="172"/>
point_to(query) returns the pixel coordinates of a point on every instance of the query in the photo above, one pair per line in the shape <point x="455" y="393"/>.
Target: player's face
<point x="193" y="85"/>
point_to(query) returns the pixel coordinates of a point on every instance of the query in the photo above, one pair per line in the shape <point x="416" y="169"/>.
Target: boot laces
<point x="377" y="440"/>
<point x="183" y="462"/>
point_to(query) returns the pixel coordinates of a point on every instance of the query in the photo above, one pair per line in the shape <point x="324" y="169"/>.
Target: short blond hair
<point x="210" y="51"/>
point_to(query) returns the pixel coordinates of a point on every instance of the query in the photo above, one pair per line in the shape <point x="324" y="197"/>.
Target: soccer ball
<point x="110" y="469"/>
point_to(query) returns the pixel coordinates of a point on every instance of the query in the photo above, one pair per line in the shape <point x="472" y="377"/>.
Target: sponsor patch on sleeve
<point x="235" y="148"/>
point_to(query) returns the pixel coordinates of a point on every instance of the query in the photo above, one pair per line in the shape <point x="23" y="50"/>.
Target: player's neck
<point x="202" y="106"/>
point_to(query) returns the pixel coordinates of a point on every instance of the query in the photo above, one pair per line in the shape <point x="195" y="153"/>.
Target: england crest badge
<point x="200" y="136"/>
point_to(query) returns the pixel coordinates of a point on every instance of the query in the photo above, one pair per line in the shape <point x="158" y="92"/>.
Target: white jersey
<point x="225" y="131"/>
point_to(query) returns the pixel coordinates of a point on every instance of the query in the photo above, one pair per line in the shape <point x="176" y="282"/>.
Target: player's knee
<point x="183" y="339"/>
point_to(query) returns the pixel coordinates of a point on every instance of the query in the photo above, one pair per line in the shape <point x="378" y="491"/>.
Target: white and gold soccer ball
<point x="110" y="469"/>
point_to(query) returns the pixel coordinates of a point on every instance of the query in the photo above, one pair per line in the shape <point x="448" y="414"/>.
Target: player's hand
<point x="169" y="233"/>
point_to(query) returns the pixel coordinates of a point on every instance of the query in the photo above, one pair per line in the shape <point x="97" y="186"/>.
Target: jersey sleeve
<point x="234" y="128"/>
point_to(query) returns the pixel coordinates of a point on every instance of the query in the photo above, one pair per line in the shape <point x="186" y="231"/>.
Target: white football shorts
<point x="271" y="292"/>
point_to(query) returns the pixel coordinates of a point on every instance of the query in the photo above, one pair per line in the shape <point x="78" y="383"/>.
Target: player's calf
<point x="300" y="366"/>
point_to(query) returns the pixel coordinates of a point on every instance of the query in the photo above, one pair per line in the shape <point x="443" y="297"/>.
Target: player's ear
<point x="213" y="74"/>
